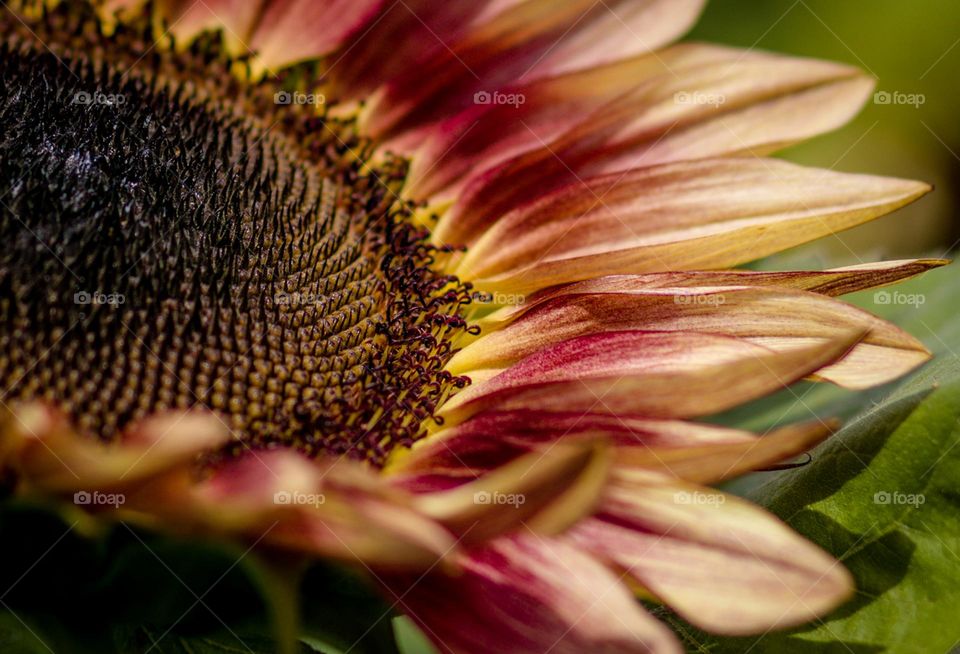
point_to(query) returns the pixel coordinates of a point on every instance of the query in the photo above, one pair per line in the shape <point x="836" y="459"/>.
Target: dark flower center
<point x="174" y="239"/>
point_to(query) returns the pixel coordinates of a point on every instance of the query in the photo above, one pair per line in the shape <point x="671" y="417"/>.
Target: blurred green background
<point x="910" y="47"/>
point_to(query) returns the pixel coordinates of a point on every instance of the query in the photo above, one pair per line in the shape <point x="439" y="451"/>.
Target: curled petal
<point x="543" y="491"/>
<point x="687" y="450"/>
<point x="530" y="595"/>
<point x="712" y="462"/>
<point x="689" y="545"/>
<point x="48" y="455"/>
<point x="489" y="440"/>
<point x="337" y="510"/>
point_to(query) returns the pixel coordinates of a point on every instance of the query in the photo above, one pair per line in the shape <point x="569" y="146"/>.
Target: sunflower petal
<point x="338" y="510"/>
<point x="290" y="31"/>
<point x="729" y="103"/>
<point x="704" y="214"/>
<point x="664" y="375"/>
<point x="690" y="545"/>
<point x="235" y="18"/>
<point x="777" y="318"/>
<point x="492" y="439"/>
<point x="523" y="41"/>
<point x="50" y="456"/>
<point x="529" y="595"/>
<point x="713" y="462"/>
<point x="543" y="491"/>
<point x="832" y="282"/>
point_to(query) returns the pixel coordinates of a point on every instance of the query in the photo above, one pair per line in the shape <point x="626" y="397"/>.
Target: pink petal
<point x="50" y="456"/>
<point x="489" y="440"/>
<point x="528" y="595"/>
<point x="730" y="103"/>
<point x="295" y="30"/>
<point x="721" y="563"/>
<point x="664" y="375"/>
<point x="777" y="318"/>
<point x="706" y="214"/>
<point x="525" y="40"/>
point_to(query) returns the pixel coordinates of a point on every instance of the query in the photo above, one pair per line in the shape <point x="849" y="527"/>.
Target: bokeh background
<point x="910" y="47"/>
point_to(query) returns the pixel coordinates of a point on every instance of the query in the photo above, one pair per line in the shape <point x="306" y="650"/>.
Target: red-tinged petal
<point x="705" y="214"/>
<point x="290" y="31"/>
<point x="663" y="375"/>
<point x="338" y="510"/>
<point x="416" y="31"/>
<point x="545" y="492"/>
<point x="528" y="595"/>
<point x="691" y="545"/>
<point x="523" y="42"/>
<point x="832" y="282"/>
<point x="490" y="440"/>
<point x="735" y="103"/>
<point x="691" y="451"/>
<point x="186" y="19"/>
<point x="620" y="30"/>
<point x="49" y="455"/>
<point x="482" y="136"/>
<point x="777" y="318"/>
<point x="712" y="462"/>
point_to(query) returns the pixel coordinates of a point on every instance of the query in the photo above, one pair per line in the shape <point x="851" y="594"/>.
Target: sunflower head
<point x="179" y="239"/>
<point x="438" y="289"/>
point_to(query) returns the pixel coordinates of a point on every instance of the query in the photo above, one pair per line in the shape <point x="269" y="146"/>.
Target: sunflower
<point x="434" y="289"/>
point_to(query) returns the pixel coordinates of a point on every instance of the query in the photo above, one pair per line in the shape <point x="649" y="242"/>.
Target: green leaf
<point x="410" y="640"/>
<point x="882" y="496"/>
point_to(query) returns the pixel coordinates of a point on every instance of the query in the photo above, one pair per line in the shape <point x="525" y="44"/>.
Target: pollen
<point x="174" y="237"/>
